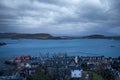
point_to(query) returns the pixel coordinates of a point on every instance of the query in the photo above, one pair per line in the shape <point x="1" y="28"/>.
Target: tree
<point x="39" y="75"/>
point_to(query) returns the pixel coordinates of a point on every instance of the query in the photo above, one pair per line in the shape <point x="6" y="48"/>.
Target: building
<point x="76" y="73"/>
<point x="17" y="60"/>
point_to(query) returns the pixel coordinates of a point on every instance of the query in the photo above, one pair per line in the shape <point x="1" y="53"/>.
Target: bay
<point x="75" y="47"/>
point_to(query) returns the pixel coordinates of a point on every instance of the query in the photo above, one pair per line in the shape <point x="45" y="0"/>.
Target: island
<point x="2" y="43"/>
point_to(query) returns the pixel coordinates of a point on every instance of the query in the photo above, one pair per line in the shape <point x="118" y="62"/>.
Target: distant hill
<point x="101" y="37"/>
<point x="96" y="36"/>
<point x="27" y="36"/>
<point x="48" y="36"/>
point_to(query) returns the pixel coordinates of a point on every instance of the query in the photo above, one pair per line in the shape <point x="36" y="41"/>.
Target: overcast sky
<point x="60" y="17"/>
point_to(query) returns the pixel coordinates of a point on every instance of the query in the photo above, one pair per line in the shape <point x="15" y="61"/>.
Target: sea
<point x="74" y="47"/>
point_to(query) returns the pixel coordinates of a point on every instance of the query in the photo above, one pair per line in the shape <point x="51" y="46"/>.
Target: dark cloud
<point x="65" y="17"/>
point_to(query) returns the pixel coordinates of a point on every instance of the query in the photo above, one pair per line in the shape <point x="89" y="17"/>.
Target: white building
<point x="76" y="73"/>
<point x="28" y="65"/>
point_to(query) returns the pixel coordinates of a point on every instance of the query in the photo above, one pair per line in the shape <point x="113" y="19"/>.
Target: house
<point x="27" y="66"/>
<point x="76" y="73"/>
<point x="17" y="60"/>
<point x="21" y="65"/>
<point x="25" y="59"/>
<point x="34" y="65"/>
<point x="28" y="71"/>
<point x="72" y="63"/>
<point x="31" y="71"/>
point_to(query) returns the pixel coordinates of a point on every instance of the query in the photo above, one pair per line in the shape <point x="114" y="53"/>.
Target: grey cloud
<point x="75" y="17"/>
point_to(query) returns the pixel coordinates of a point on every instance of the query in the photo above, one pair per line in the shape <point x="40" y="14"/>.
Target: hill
<point x="48" y="36"/>
<point x="101" y="37"/>
<point x="27" y="36"/>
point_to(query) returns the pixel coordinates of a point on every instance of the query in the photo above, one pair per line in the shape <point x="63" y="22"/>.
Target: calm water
<point x="82" y="47"/>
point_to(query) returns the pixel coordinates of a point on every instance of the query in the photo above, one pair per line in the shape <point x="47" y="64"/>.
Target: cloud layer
<point x="63" y="17"/>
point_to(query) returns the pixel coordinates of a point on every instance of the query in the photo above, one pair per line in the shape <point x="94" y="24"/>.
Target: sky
<point x="60" y="17"/>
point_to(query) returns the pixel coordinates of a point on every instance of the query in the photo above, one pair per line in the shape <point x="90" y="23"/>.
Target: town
<point x="62" y="67"/>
